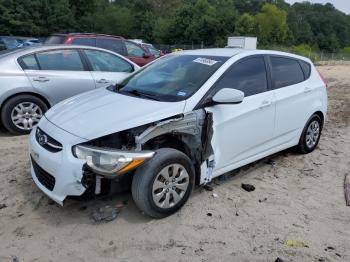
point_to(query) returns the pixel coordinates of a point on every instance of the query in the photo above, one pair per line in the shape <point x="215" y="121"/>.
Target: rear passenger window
<point x="84" y="41"/>
<point x="286" y="72"/>
<point x="114" y="45"/>
<point x="249" y="76"/>
<point x="29" y="63"/>
<point x="64" y="59"/>
<point x="306" y="69"/>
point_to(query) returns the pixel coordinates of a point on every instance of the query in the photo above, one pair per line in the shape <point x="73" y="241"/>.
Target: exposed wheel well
<point x="174" y="141"/>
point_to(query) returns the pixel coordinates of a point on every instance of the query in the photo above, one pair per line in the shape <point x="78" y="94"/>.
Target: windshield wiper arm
<point x="141" y="94"/>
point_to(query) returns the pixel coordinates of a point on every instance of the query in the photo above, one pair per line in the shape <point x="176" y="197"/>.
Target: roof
<point x="230" y="52"/>
<point x="85" y="34"/>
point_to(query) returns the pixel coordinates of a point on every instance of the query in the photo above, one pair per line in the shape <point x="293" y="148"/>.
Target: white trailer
<point x="242" y="42"/>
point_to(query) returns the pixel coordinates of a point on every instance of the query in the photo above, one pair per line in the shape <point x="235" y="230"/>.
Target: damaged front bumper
<point x="58" y="174"/>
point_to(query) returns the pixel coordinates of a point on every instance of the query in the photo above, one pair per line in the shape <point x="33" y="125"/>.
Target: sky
<point x="343" y="5"/>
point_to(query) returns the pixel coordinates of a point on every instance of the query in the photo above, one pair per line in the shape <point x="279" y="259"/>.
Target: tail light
<point x="323" y="79"/>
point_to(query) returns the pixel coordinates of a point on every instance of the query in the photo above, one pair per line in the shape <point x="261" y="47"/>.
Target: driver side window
<point x="248" y="76"/>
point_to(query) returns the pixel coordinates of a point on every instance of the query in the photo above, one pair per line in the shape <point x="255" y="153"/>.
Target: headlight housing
<point x="109" y="162"/>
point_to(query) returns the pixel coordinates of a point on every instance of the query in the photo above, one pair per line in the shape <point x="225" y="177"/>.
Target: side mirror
<point x="228" y="96"/>
<point x="146" y="55"/>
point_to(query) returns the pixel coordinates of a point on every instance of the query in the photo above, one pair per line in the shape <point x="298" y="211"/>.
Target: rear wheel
<point x="21" y="113"/>
<point x="163" y="184"/>
<point x="311" y="135"/>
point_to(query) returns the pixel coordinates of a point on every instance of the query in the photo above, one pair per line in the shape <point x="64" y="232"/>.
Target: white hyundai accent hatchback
<point x="183" y="120"/>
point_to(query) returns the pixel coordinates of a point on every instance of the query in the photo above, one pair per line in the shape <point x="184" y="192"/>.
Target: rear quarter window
<point x="286" y="72"/>
<point x="306" y="67"/>
<point x="28" y="62"/>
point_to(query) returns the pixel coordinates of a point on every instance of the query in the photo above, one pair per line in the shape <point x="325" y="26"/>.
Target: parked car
<point x="149" y="48"/>
<point x="35" y="78"/>
<point x="183" y="120"/>
<point x="8" y="43"/>
<point x="117" y="44"/>
<point x="31" y="42"/>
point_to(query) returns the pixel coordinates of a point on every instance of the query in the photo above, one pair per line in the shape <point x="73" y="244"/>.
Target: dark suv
<point x="133" y="51"/>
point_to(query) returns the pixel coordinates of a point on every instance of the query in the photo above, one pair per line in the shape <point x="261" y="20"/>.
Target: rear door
<point x="137" y="54"/>
<point x="294" y="97"/>
<point x="59" y="73"/>
<point x="244" y="130"/>
<point x="107" y="68"/>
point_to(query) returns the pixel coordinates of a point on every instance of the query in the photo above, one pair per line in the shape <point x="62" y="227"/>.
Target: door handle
<point x="102" y="81"/>
<point x="41" y="79"/>
<point x="307" y="89"/>
<point x="265" y="103"/>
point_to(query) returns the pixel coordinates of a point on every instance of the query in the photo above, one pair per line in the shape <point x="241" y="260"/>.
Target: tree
<point x="246" y="25"/>
<point x="271" y="25"/>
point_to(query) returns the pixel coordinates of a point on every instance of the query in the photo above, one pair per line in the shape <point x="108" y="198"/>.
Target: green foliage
<point x="210" y="22"/>
<point x="271" y="25"/>
<point x="345" y="50"/>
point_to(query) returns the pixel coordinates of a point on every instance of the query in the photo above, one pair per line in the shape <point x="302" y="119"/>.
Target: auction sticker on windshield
<point x="205" y="61"/>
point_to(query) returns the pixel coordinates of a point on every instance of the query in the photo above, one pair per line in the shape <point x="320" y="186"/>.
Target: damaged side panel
<point x="194" y="130"/>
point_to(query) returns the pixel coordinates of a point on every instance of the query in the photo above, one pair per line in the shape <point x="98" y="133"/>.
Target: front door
<point x="243" y="131"/>
<point x="59" y="73"/>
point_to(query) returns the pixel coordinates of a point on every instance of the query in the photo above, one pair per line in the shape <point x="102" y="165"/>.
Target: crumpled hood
<point x="102" y="112"/>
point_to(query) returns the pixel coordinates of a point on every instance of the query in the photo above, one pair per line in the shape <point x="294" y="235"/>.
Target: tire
<point x="33" y="108"/>
<point x="306" y="145"/>
<point x="152" y="175"/>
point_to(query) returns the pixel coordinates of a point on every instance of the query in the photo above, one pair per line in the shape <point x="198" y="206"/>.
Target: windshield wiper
<point x="140" y="94"/>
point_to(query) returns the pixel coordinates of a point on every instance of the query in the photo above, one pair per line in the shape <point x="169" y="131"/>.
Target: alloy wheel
<point x="26" y="115"/>
<point x="170" y="186"/>
<point x="312" y="134"/>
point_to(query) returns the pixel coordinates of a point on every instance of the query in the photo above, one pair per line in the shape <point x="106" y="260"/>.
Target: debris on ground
<point x="208" y="187"/>
<point x="263" y="200"/>
<point x="215" y="195"/>
<point x="248" y="187"/>
<point x="14" y="259"/>
<point x="3" y="206"/>
<point x="209" y="214"/>
<point x="295" y="243"/>
<point x="279" y="260"/>
<point x="105" y="214"/>
<point x="347" y="189"/>
<point x="271" y="162"/>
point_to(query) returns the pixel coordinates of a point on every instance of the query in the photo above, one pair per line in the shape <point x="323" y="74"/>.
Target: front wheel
<point x="163" y="184"/>
<point x="311" y="135"/>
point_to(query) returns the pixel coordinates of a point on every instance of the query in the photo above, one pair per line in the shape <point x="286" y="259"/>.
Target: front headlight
<point x="109" y="162"/>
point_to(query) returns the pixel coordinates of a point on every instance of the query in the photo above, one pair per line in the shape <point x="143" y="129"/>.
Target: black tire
<point x="303" y="147"/>
<point x="11" y="104"/>
<point x="146" y="174"/>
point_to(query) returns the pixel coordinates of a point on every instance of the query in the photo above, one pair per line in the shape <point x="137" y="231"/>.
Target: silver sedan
<point x="35" y="78"/>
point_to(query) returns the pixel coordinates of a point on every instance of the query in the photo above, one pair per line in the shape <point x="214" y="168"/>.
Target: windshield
<point x="55" y="40"/>
<point x="172" y="78"/>
<point x="10" y="42"/>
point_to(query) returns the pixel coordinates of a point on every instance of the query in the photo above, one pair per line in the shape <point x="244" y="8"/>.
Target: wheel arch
<point x="178" y="141"/>
<point x="43" y="98"/>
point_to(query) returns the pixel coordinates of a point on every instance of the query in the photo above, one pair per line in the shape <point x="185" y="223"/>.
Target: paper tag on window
<point x="205" y="61"/>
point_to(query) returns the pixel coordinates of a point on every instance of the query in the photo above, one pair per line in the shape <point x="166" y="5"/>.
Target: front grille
<point x="47" y="141"/>
<point x="44" y="178"/>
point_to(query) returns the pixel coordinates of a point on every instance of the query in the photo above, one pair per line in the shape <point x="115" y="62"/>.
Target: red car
<point x="129" y="49"/>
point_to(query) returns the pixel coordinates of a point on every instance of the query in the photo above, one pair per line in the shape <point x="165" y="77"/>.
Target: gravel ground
<point x="297" y="197"/>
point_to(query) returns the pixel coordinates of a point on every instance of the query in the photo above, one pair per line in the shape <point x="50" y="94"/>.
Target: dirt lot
<point x="299" y="198"/>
